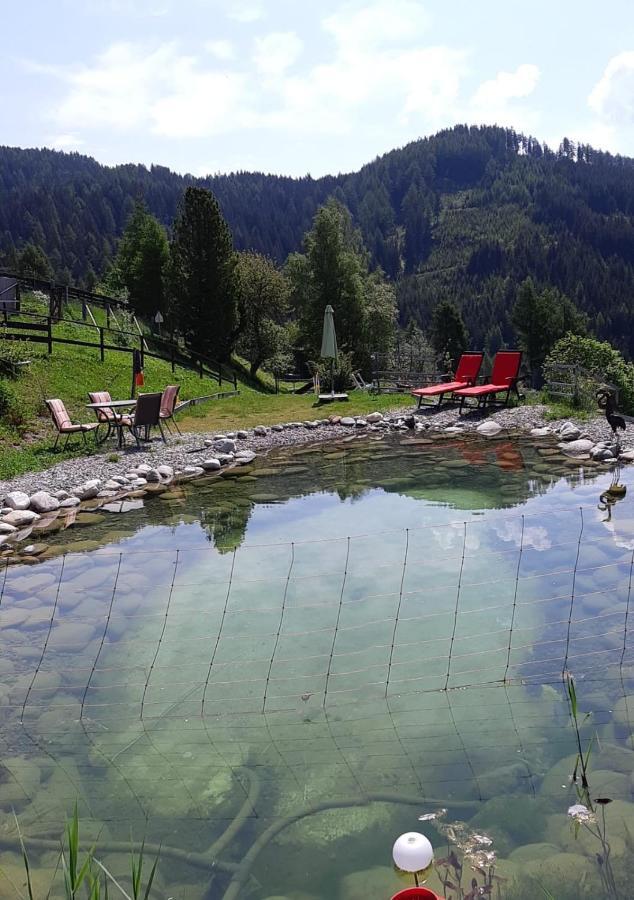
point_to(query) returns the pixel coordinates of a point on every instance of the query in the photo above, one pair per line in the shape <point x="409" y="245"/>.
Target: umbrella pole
<point x="332" y="377"/>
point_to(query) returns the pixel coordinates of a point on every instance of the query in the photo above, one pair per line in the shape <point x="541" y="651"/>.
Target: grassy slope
<point x="27" y="434"/>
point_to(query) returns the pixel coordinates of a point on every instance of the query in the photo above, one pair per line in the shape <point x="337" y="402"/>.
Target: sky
<point x="298" y="87"/>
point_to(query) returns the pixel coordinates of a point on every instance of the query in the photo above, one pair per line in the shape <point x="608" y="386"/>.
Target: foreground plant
<point x="89" y="877"/>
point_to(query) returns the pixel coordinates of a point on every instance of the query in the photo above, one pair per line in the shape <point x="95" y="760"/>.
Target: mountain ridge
<point x="465" y="214"/>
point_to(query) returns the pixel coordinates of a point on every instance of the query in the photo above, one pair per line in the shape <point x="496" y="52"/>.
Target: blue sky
<point x="207" y="86"/>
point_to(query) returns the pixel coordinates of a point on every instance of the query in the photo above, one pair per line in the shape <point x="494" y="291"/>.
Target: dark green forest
<point x="465" y="215"/>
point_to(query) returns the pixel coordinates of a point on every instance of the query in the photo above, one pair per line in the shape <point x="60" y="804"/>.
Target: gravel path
<point x="190" y="450"/>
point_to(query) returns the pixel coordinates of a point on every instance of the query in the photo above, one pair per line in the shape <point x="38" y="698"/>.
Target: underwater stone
<point x="624" y="711"/>
<point x="379" y="881"/>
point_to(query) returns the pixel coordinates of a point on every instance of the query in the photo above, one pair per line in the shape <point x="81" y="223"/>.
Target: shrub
<point x="598" y="363"/>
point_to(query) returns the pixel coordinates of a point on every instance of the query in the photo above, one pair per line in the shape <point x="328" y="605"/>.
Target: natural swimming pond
<point x="274" y="673"/>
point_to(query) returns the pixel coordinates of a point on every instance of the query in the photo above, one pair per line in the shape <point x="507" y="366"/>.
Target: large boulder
<point x="17" y="500"/>
<point x="6" y="528"/>
<point x="374" y="417"/>
<point x="581" y="447"/>
<point x="489" y="428"/>
<point x="21" y="517"/>
<point x="347" y="420"/>
<point x="210" y="465"/>
<point x="244" y="457"/>
<point x="88" y="490"/>
<point x="225" y="445"/>
<point x="569" y="432"/>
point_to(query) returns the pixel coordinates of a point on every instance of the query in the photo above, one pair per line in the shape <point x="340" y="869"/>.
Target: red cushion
<point x="435" y="389"/>
<point x="482" y="389"/>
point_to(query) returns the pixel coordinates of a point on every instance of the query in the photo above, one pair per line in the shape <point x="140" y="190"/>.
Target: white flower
<point x="580" y="813"/>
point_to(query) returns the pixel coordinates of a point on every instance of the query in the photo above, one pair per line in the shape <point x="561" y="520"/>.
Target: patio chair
<point x="465" y="376"/>
<point x="168" y="405"/>
<point x="63" y="424"/>
<point x="147" y="415"/>
<point x="504" y="378"/>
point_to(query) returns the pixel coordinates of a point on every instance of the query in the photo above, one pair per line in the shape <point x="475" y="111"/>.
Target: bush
<point x="12" y="352"/>
<point x="7" y="398"/>
<point x="598" y="363"/>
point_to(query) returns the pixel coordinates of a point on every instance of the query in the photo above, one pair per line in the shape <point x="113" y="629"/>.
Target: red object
<point x="416" y="893"/>
<point x="139" y="380"/>
<point x="465" y="375"/>
<point x="506" y="368"/>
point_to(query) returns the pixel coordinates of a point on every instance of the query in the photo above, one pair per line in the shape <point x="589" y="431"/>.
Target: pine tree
<point x="202" y="275"/>
<point x="448" y="333"/>
<point x="141" y="262"/>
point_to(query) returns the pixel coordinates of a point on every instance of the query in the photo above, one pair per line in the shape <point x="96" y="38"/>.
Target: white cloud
<point x="612" y="98"/>
<point x="495" y="100"/>
<point x="129" y="88"/>
<point x="275" y="53"/>
<point x="64" y="141"/>
<point x="221" y="49"/>
<point x="361" y="28"/>
<point x="245" y="11"/>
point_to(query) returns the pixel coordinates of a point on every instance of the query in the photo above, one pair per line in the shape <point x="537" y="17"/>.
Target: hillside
<point x="466" y="214"/>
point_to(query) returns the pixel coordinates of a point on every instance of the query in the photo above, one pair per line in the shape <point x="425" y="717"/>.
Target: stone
<point x="578" y="447"/>
<point x="224" y="458"/>
<point x="311" y="424"/>
<point x="541" y="432"/>
<point x="277" y="428"/>
<point x="569" y="432"/>
<point x="122" y="506"/>
<point x="231" y="435"/>
<point x="34" y="549"/>
<point x="88" y="489"/>
<point x="20" y="517"/>
<point x="260" y="431"/>
<point x="601" y="453"/>
<point x="374" y="417"/>
<point x="242" y="435"/>
<point x="334" y="420"/>
<point x="112" y="485"/>
<point x="60" y="495"/>
<point x="7" y="528"/>
<point x="489" y="428"/>
<point x="143" y="469"/>
<point x="152" y="475"/>
<point x="193" y="470"/>
<point x="208" y="442"/>
<point x="227" y="445"/>
<point x="624" y="711"/>
<point x="347" y="420"/>
<point x="244" y="457"/>
<point x="627" y="455"/>
<point x="107" y="494"/>
<point x="360" y="423"/>
<point x="69" y="502"/>
<point x="17" y="500"/>
<point x="210" y="465"/>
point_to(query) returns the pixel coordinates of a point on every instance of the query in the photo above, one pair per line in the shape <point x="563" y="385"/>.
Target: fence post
<point x="49" y="335"/>
<point x="101" y="343"/>
<point x="84" y="314"/>
<point x="142" y="348"/>
<point x="108" y="315"/>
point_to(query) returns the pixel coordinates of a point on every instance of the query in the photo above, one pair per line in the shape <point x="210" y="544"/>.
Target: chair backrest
<point x="59" y="413"/>
<point x="168" y="399"/>
<point x="506" y="366"/>
<point x="468" y="367"/>
<point x="101" y="397"/>
<point x="148" y="409"/>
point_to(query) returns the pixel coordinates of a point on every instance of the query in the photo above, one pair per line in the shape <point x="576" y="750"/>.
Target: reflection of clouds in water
<point x="451" y="537"/>
<point x="535" y="536"/>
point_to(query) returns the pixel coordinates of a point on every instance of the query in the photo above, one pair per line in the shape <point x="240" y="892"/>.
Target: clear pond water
<point x="275" y="674"/>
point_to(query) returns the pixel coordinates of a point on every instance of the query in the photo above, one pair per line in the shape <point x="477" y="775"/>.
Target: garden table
<point x="113" y="405"/>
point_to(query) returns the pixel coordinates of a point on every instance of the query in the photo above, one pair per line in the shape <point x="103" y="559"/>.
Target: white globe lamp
<point x="412" y="852"/>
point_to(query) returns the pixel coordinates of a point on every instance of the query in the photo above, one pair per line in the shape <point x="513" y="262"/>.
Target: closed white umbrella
<point x="329" y="343"/>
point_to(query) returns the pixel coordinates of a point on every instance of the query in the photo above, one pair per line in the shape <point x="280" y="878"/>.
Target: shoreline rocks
<point x="56" y="491"/>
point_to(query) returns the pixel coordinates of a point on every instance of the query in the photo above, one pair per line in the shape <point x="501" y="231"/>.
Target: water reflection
<point x="274" y="674"/>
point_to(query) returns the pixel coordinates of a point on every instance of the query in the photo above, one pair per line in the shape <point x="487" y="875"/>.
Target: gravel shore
<point x="190" y="449"/>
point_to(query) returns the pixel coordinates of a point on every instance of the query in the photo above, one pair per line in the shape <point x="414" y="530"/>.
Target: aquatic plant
<point x="470" y="856"/>
<point x="589" y="812"/>
<point x="88" y="877"/>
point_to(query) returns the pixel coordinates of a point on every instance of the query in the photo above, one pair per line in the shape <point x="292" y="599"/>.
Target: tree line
<point x="464" y="216"/>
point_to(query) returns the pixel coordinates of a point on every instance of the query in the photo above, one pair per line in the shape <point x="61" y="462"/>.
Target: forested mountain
<point x="464" y="215"/>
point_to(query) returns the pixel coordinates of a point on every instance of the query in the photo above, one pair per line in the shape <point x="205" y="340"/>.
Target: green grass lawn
<point x="27" y="433"/>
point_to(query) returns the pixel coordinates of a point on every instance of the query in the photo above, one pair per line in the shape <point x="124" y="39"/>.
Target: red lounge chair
<point x="466" y="375"/>
<point x="506" y="369"/>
